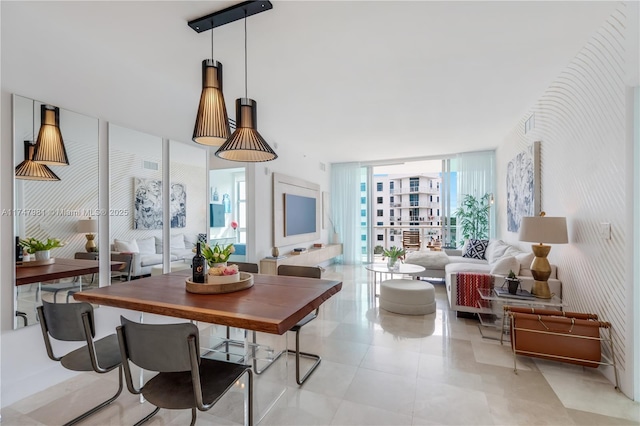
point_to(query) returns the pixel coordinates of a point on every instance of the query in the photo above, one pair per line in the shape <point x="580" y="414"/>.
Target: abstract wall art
<point x="523" y="186"/>
<point x="148" y="204"/>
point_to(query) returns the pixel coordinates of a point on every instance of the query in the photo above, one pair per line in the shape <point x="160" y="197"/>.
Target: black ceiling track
<point x="229" y="14"/>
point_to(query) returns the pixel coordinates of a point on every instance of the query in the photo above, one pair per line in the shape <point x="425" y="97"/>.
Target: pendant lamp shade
<point x="212" y="121"/>
<point x="30" y="170"/>
<point x="49" y="145"/>
<point x="246" y="144"/>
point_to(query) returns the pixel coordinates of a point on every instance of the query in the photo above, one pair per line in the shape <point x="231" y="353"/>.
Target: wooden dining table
<point x="60" y="268"/>
<point x="274" y="304"/>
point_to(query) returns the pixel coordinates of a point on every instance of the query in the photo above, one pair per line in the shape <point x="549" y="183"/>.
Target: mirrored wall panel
<point x="135" y="164"/>
<point x="56" y="212"/>
<point x="188" y="200"/>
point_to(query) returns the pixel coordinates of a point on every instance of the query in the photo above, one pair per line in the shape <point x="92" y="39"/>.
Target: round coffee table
<point x="381" y="268"/>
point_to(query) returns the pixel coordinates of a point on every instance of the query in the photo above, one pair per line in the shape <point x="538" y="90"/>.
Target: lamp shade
<point x="49" y="145"/>
<point x="212" y="121"/>
<point x="30" y="170"/>
<point x="87" y="226"/>
<point x="246" y="144"/>
<point x="544" y="229"/>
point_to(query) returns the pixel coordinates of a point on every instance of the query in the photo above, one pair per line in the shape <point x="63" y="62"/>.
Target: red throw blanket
<point x="467" y="284"/>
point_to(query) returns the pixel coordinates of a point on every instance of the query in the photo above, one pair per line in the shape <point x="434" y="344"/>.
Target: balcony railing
<point x="415" y="190"/>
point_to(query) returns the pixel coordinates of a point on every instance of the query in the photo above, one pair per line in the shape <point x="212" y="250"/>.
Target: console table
<point x="311" y="257"/>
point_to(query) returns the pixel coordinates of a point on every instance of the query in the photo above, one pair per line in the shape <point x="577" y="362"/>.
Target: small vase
<point x="218" y="265"/>
<point x="393" y="264"/>
<point x="275" y="252"/>
<point x="43" y="255"/>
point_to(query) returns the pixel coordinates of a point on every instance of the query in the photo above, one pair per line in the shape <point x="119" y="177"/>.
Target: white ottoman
<point x="410" y="297"/>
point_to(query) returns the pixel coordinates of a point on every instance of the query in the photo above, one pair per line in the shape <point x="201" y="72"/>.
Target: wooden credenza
<point x="311" y="257"/>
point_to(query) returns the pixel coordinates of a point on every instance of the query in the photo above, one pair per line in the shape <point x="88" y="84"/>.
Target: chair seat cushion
<point x="107" y="352"/>
<point x="175" y="390"/>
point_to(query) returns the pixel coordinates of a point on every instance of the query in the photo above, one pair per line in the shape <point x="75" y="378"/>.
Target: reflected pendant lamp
<point x="50" y="148"/>
<point x="30" y="170"/>
<point x="246" y="144"/>
<point x="212" y="122"/>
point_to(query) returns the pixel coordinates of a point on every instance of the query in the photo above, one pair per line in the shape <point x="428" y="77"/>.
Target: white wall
<point x="581" y="121"/>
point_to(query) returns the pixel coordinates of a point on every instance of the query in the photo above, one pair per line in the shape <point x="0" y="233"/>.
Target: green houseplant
<point x="512" y="282"/>
<point x="40" y="248"/>
<point x="472" y="218"/>
<point x="394" y="256"/>
<point x="218" y="254"/>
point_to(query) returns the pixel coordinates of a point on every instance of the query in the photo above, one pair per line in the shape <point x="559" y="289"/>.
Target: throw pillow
<point x="177" y="241"/>
<point x="525" y="260"/>
<point x="504" y="265"/>
<point x="476" y="249"/>
<point x="126" y="246"/>
<point x="496" y="250"/>
<point x="147" y="245"/>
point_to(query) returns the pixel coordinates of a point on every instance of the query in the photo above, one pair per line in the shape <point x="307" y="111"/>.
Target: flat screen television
<point x="299" y="215"/>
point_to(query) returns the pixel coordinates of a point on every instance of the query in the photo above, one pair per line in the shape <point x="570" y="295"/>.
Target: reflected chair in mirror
<point x="124" y="272"/>
<point x="74" y="322"/>
<point x="306" y="272"/>
<point x="184" y="379"/>
<point x="411" y="240"/>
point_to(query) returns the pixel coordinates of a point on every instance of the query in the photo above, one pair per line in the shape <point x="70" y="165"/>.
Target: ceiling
<point x="342" y="81"/>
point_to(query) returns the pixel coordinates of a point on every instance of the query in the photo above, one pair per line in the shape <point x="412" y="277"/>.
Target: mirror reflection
<point x="55" y="204"/>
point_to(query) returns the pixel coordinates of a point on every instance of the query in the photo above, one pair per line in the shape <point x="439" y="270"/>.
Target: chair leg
<point x="153" y="413"/>
<point x="193" y="416"/>
<point x="101" y="405"/>
<point x="299" y="354"/>
<point x="255" y="361"/>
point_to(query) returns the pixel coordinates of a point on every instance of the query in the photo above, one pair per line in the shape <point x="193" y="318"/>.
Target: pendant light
<point x="246" y="144"/>
<point x="30" y="170"/>
<point x="49" y="145"/>
<point x="212" y="122"/>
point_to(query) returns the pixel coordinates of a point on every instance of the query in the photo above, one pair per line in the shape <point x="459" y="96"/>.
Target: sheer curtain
<point x="345" y="209"/>
<point x="476" y="175"/>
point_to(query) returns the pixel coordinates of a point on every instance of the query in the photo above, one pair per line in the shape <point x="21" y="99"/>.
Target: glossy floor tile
<point x="378" y="368"/>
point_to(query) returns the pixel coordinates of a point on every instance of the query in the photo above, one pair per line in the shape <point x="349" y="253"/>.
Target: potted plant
<point x="218" y="255"/>
<point x="394" y="256"/>
<point x="472" y="218"/>
<point x="41" y="249"/>
<point x="512" y="282"/>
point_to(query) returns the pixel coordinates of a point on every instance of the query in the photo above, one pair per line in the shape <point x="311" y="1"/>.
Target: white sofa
<point x="147" y="252"/>
<point x="500" y="257"/>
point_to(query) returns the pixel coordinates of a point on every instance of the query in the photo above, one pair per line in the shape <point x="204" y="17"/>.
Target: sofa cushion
<point x="505" y="264"/>
<point x="182" y="253"/>
<point x="147" y="245"/>
<point x="158" y="245"/>
<point x="476" y="249"/>
<point x="150" y="259"/>
<point x="426" y="259"/>
<point x="460" y="259"/>
<point x="467" y="267"/>
<point x="126" y="246"/>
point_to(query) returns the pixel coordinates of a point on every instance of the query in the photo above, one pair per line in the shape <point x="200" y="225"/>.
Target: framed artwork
<point x="523" y="186"/>
<point x="147" y="212"/>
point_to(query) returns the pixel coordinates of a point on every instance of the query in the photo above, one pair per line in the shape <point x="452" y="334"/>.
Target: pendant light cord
<point x="245" y="53"/>
<point x="211" y="41"/>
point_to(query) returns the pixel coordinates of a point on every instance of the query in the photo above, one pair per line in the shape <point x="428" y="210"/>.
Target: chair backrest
<point x="300" y="271"/>
<point x="252" y="268"/>
<point x="410" y="239"/>
<point x="127" y="259"/>
<point x="158" y="347"/>
<point x="86" y="256"/>
<point x="63" y="321"/>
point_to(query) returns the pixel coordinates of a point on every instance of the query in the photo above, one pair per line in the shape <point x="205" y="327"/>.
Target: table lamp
<point x="89" y="227"/>
<point x="551" y="230"/>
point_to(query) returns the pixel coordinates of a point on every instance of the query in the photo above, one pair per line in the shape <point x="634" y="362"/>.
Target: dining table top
<point x="60" y="268"/>
<point x="274" y="304"/>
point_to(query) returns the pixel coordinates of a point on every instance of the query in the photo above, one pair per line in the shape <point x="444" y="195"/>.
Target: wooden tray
<point x="23" y="264"/>
<point x="246" y="281"/>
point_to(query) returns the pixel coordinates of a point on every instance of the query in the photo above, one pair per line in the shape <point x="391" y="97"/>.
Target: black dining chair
<point x="74" y="322"/>
<point x="307" y="272"/>
<point x="251" y="268"/>
<point x="184" y="379"/>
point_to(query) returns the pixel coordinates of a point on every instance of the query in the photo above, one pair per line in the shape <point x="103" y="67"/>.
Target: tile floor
<point x="380" y="368"/>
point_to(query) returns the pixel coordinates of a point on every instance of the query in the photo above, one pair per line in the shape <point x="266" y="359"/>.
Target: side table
<point x="492" y="306"/>
<point x="381" y="268"/>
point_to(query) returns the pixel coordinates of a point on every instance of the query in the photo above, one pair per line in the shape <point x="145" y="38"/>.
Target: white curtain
<point x="345" y="209"/>
<point x="476" y="175"/>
